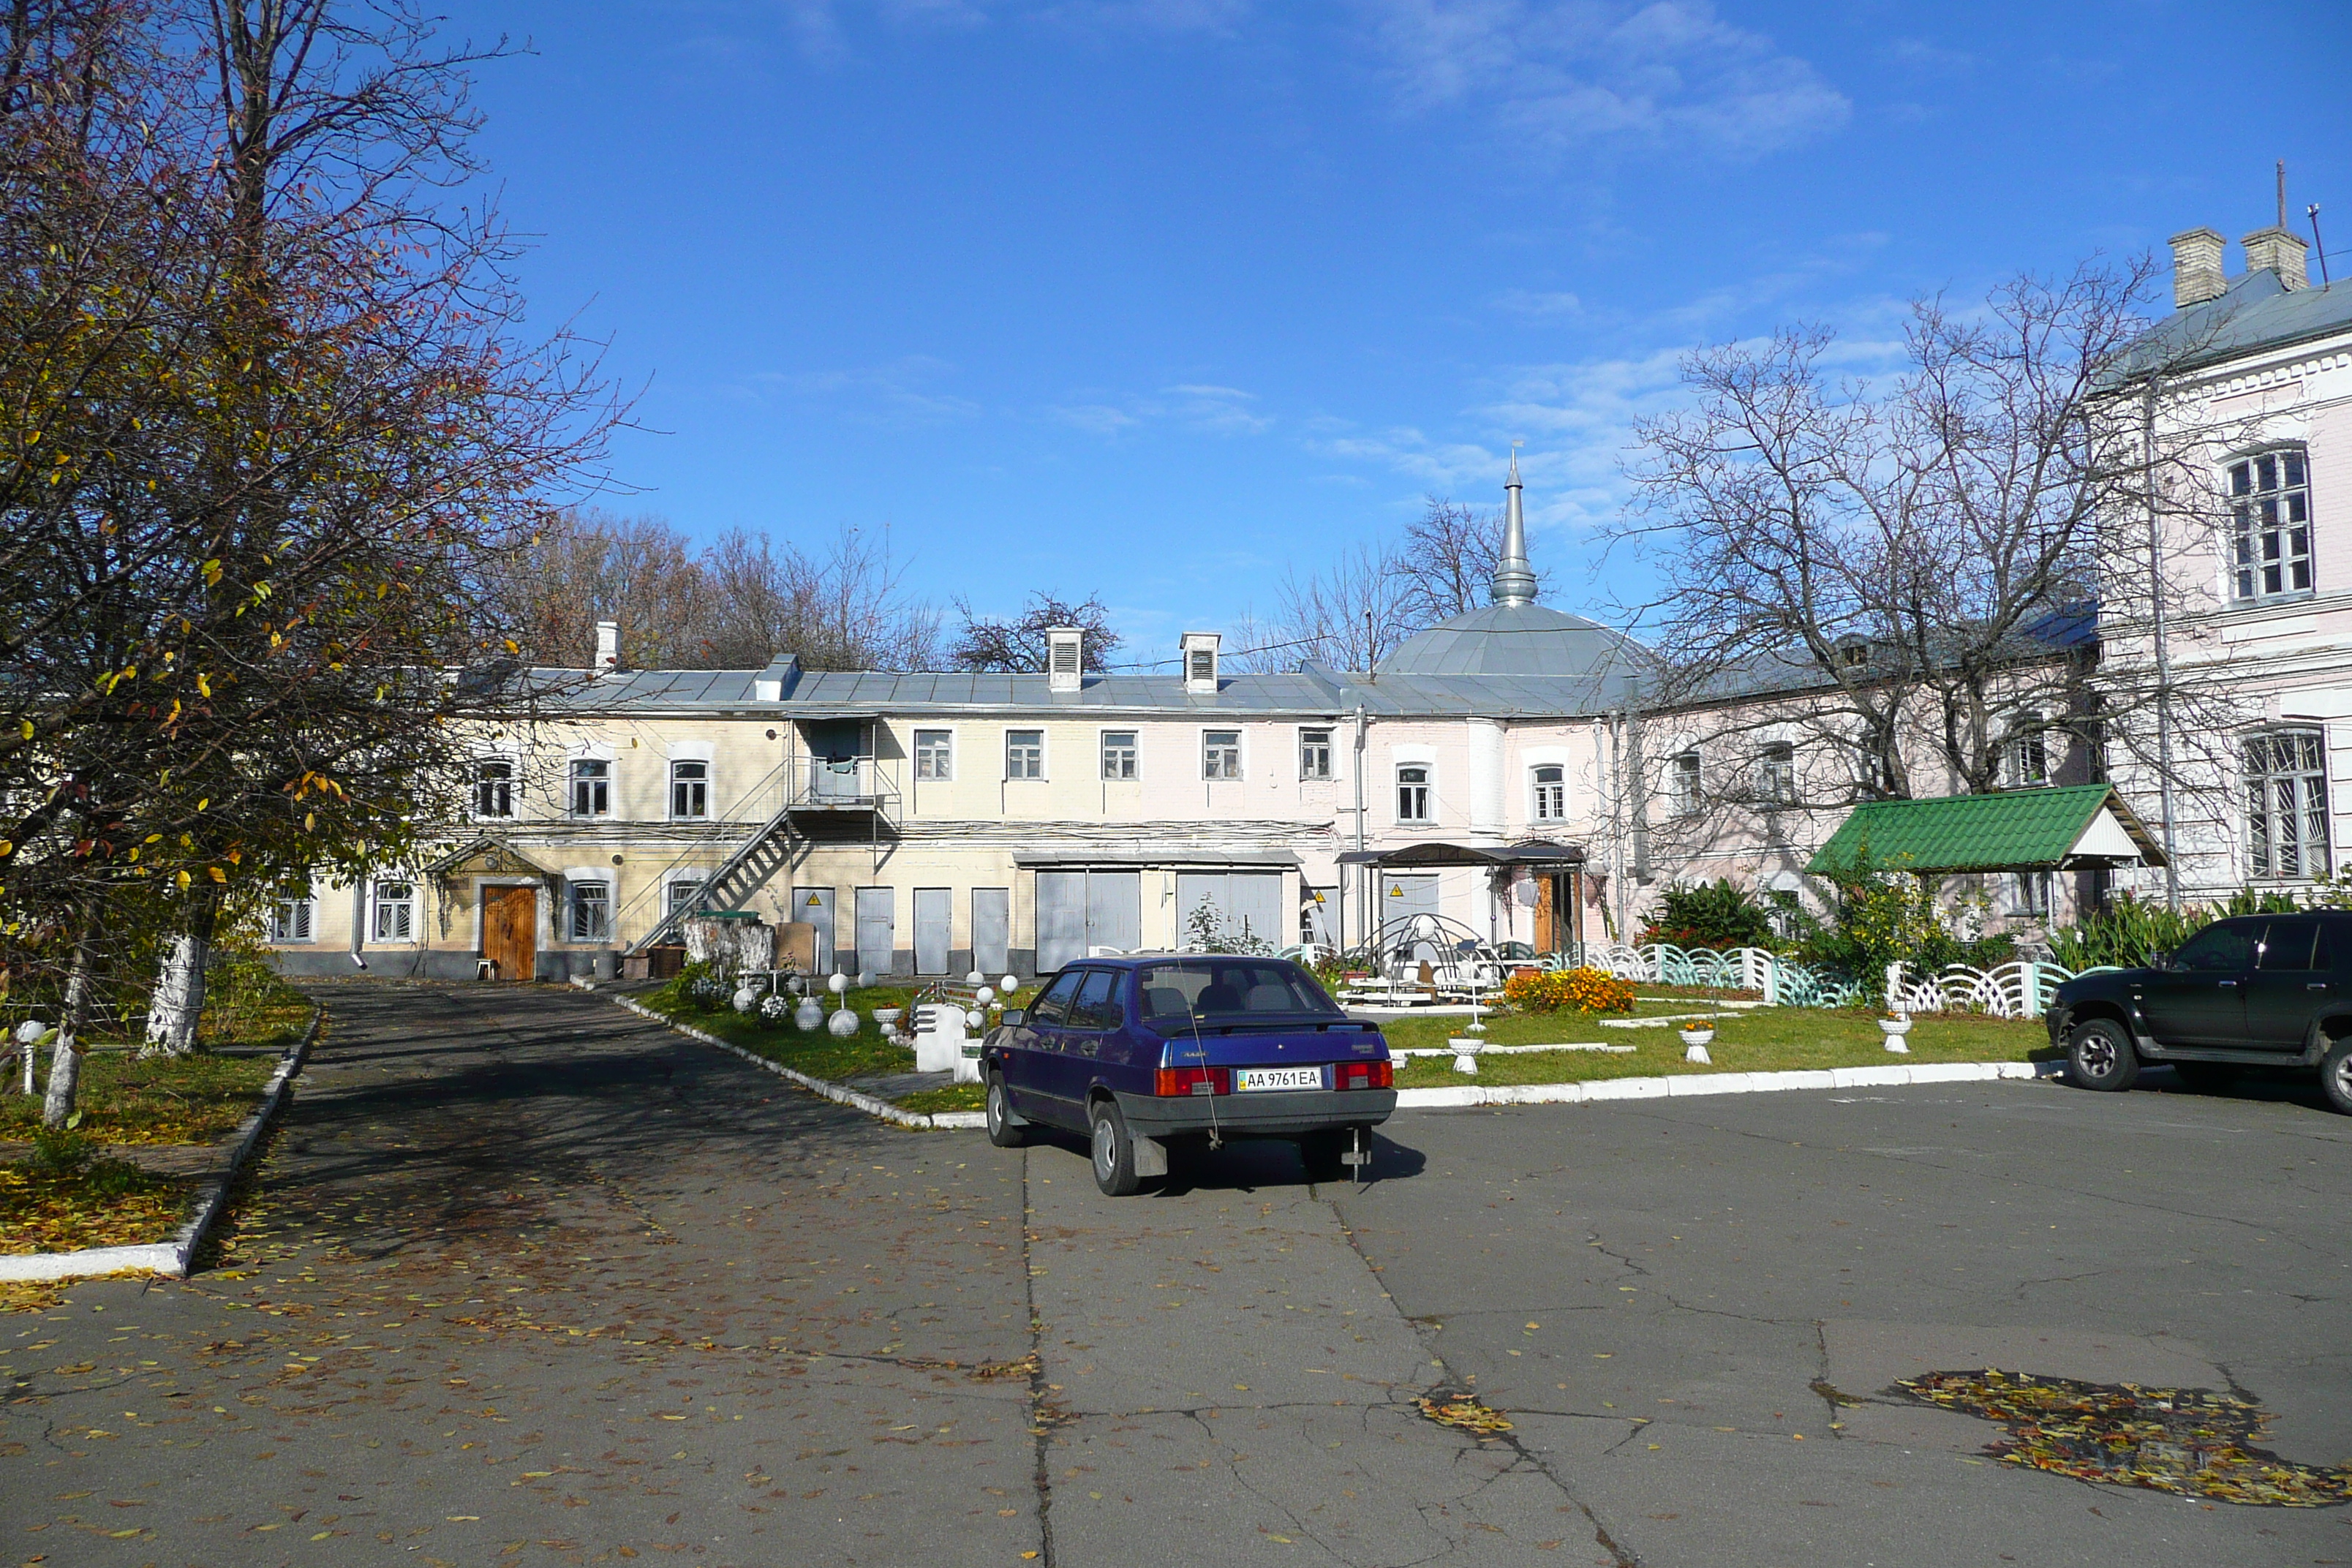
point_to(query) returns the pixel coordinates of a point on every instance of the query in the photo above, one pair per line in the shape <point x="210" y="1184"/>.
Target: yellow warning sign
<point x="1396" y="892"/>
<point x="815" y="902"/>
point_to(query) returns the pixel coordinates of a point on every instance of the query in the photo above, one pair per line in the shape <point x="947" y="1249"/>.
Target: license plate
<point x="1248" y="1079"/>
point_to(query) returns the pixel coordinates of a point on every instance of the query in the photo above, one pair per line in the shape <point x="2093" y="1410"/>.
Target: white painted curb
<point x="1686" y="1084"/>
<point x="171" y="1258"/>
<point x="856" y="1100"/>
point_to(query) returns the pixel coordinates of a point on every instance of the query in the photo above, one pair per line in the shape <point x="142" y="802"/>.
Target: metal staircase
<point x="740" y="876"/>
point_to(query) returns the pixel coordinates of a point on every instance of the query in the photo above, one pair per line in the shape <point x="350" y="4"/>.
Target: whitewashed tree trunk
<point x="178" y="1004"/>
<point x="178" y="1001"/>
<point x="65" y="1056"/>
<point x="730" y="947"/>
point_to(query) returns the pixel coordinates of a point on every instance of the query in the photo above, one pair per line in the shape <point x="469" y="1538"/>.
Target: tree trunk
<point x="65" y="1056"/>
<point x="178" y="1004"/>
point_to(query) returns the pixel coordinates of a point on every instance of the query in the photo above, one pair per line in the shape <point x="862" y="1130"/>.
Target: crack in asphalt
<point x="1041" y="1418"/>
<point x="1622" y="1556"/>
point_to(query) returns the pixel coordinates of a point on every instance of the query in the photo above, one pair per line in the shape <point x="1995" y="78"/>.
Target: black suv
<point x="2253" y="991"/>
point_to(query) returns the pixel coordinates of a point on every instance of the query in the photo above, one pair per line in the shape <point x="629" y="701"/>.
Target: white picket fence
<point x="2018" y="990"/>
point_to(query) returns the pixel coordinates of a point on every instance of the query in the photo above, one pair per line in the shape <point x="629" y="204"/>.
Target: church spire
<point x="1515" y="580"/>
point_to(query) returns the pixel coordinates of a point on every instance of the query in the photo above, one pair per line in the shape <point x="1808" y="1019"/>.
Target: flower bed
<point x="1574" y="990"/>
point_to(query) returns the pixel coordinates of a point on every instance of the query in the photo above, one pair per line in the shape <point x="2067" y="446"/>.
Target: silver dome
<point x="1515" y="639"/>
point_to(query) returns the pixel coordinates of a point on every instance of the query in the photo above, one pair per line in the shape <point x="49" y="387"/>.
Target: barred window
<point x="591" y="911"/>
<point x="396" y="912"/>
<point x="2286" y="804"/>
<point x="291" y="919"/>
<point x="934" y="754"/>
<point x="1221" y="753"/>
<point x="1118" y="753"/>
<point x="2269" y="503"/>
<point x="684" y="895"/>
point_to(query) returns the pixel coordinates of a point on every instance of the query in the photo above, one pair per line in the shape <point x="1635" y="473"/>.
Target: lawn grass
<point x="125" y="1097"/>
<point x="947" y="1097"/>
<point x="201" y="1097"/>
<point x="1768" y="1039"/>
<point x="75" y="1198"/>
<point x="818" y="1053"/>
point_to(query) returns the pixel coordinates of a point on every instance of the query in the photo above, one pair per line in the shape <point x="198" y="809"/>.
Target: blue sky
<point x="1158" y="298"/>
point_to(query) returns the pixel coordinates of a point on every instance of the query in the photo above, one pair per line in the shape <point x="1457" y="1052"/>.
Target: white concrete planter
<point x="887" y="1018"/>
<point x="1465" y="1053"/>
<point x="1893" y="1030"/>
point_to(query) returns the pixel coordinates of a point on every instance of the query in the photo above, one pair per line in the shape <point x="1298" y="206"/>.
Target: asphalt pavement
<point x="526" y="1277"/>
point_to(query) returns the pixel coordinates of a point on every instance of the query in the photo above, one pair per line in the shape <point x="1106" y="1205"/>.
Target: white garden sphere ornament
<point x="844" y="1023"/>
<point x="747" y="996"/>
<point x="975" y="978"/>
<point x="30" y="1032"/>
<point x="983" y="995"/>
<point x="838" y="984"/>
<point x="865" y="979"/>
<point x="808" y="1015"/>
<point x="1010" y="986"/>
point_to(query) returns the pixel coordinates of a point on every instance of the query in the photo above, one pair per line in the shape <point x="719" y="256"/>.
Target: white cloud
<point x="1539" y="304"/>
<point x="820" y="29"/>
<point x="896" y="392"/>
<point x="1568" y="72"/>
<point x="1208" y="410"/>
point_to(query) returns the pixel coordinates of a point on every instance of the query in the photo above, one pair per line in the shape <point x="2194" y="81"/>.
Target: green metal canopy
<point x="2074" y="828"/>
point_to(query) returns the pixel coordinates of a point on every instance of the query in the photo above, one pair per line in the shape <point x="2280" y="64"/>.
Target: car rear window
<point x="1228" y="990"/>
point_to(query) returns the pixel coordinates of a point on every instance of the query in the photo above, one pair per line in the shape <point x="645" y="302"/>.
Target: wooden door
<point x="1546" y="914"/>
<point x="510" y="930"/>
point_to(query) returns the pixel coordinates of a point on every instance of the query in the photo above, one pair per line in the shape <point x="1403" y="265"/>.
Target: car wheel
<point x="1321" y="1151"/>
<point x="2099" y="1054"/>
<point x="1003" y="1131"/>
<point x="1113" y="1151"/>
<point x="2204" y="1077"/>
<point x="2336" y="1076"/>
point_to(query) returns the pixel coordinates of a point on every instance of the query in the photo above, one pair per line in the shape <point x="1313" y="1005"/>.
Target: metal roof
<point x="1513" y="639"/>
<point x="2040" y="829"/>
<point x="2255" y="312"/>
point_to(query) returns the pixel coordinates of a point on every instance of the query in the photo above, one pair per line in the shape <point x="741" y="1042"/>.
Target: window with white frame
<point x="1221" y="753"/>
<point x="2029" y="755"/>
<point x="592" y="787"/>
<point x="935" y="754"/>
<point x="1776" y="773"/>
<point x="1313" y="754"/>
<point x="690" y="790"/>
<point x="493" y="788"/>
<point x="1024" y="754"/>
<point x="1551" y="793"/>
<point x="2286" y="804"/>
<point x="683" y="894"/>
<point x="1118" y="753"/>
<point x="591" y="911"/>
<point x="1682" y="784"/>
<point x="2029" y="894"/>
<point x="293" y="919"/>
<point x="396" y="912"/>
<point x="2270" y="507"/>
<point x="1413" y="791"/>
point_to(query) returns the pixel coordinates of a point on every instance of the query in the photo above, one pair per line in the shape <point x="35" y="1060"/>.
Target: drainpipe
<point x="2163" y="651"/>
<point x="1364" y="909"/>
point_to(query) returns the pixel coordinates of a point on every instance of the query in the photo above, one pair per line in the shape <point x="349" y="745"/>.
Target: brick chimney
<point x="2279" y="250"/>
<point x="2197" y="268"/>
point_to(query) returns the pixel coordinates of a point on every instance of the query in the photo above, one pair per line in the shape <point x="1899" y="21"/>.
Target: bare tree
<point x="1018" y="644"/>
<point x="1447" y="561"/>
<point x="1910" y="576"/>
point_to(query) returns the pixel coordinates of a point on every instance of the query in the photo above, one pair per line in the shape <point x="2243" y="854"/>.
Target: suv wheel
<point x="2336" y="1076"/>
<point x="1003" y="1131"/>
<point x="2099" y="1054"/>
<point x="1113" y="1149"/>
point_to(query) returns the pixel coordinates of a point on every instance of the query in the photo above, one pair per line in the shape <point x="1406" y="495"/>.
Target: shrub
<point x="1710" y="914"/>
<point x="1878" y="919"/>
<point x="1577" y="990"/>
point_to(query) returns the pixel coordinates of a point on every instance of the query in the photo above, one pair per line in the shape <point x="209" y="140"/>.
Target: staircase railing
<point x="714" y="891"/>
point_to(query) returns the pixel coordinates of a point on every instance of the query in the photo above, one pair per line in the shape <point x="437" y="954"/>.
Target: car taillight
<point x="1195" y="1080"/>
<point x="1363" y="1075"/>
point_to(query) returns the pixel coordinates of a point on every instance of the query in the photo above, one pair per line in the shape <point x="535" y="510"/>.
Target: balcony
<point x="844" y="797"/>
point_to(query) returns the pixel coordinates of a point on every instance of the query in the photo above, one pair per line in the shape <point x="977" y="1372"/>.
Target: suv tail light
<point x="1363" y="1075"/>
<point x="1195" y="1080"/>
